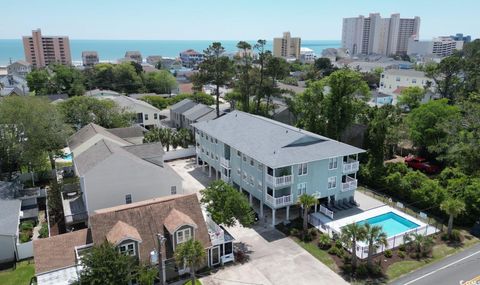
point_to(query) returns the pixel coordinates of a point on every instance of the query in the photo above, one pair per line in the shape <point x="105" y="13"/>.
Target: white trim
<point x="329" y="181"/>
<point x="126" y="248"/>
<point x="184" y="239"/>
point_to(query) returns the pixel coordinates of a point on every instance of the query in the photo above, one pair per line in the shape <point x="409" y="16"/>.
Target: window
<point x="203" y="150"/>
<point x="239" y="153"/>
<point x="332" y="182"/>
<point x="216" y="157"/>
<point x="239" y="172"/>
<point x="398" y="78"/>
<point x="301" y="188"/>
<point x="244" y="175"/>
<point x="414" y="80"/>
<point x="127" y="249"/>
<point x="216" y="141"/>
<point x="155" y="116"/>
<point x="208" y="153"/>
<point x="146" y="117"/>
<point x="128" y="199"/>
<point x="228" y="248"/>
<point x="333" y="163"/>
<point x="206" y="136"/>
<point x="202" y="134"/>
<point x="260" y="166"/>
<point x="173" y="190"/>
<point x="251" y="162"/>
<point x="252" y="180"/>
<point x="302" y="169"/>
<point x="211" y="139"/>
<point x="184" y="235"/>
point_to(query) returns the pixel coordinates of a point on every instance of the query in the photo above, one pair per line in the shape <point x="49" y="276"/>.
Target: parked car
<point x="420" y="163"/>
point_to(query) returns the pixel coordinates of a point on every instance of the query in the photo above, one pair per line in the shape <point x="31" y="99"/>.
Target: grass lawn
<point x="189" y="282"/>
<point x="398" y="269"/>
<point x="20" y="276"/>
<point x="319" y="254"/>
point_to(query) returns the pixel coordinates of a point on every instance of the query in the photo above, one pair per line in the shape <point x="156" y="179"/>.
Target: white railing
<point x="351" y="166"/>
<point x="216" y="233"/>
<point x="278" y="201"/>
<point x="224" y="162"/>
<point x="326" y="212"/>
<point x="280" y="181"/>
<point x="350" y="184"/>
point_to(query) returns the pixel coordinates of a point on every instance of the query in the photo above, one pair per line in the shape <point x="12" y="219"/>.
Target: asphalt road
<point x="454" y="270"/>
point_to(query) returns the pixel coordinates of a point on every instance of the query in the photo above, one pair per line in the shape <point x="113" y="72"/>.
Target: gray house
<point x="9" y="234"/>
<point x="275" y="163"/>
<point x="177" y="110"/>
<point x="195" y="113"/>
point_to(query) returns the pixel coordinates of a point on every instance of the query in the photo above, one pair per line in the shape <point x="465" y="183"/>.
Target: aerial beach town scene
<point x="221" y="142"/>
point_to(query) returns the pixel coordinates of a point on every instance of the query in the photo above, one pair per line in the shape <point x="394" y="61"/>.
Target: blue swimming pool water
<point x="391" y="223"/>
<point x="68" y="157"/>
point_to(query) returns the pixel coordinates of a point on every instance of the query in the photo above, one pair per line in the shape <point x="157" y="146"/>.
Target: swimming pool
<point x="391" y="223"/>
<point x="68" y="157"/>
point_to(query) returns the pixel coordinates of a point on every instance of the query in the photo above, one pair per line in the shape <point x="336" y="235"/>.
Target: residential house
<point x="190" y="58"/>
<point x="100" y="93"/>
<point x="275" y="163"/>
<point x="198" y="111"/>
<point x="132" y="135"/>
<point x="392" y="81"/>
<point x="13" y="84"/>
<point x="9" y="233"/>
<point x="112" y="171"/>
<point x="177" y="110"/>
<point x="20" y="68"/>
<point x="135" y="229"/>
<point x="146" y="115"/>
<point x="134" y="56"/>
<point x="154" y="59"/>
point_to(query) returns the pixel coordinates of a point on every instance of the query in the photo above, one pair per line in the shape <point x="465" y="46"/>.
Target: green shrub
<point x="402" y="247"/>
<point x="388" y="253"/>
<point x="338" y="244"/>
<point x="43" y="233"/>
<point x="456" y="236"/>
<point x="444" y="237"/>
<point x="336" y="251"/>
<point x="27" y="225"/>
<point x="375" y="270"/>
<point x="324" y="241"/>
<point x="362" y="270"/>
<point x="295" y="232"/>
<point x="24" y="237"/>
<point x="401" y="254"/>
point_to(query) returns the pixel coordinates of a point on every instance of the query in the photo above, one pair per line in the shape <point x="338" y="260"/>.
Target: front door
<point x="215" y="255"/>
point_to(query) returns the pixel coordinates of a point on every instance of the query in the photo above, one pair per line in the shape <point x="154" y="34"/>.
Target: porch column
<point x="196" y="162"/>
<point x="209" y="171"/>
<point x="261" y="209"/>
<point x="288" y="213"/>
<point x="250" y="198"/>
<point x="203" y="166"/>
<point x="216" y="174"/>
<point x="273" y="217"/>
<point x="316" y="202"/>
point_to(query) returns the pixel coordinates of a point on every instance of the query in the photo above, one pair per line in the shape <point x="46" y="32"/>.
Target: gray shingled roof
<point x="9" y="216"/>
<point x="151" y="152"/>
<point x="405" y="72"/>
<point x="129" y="132"/>
<point x="272" y="143"/>
<point x="90" y="130"/>
<point x="197" y="111"/>
<point x="182" y="106"/>
<point x="208" y="116"/>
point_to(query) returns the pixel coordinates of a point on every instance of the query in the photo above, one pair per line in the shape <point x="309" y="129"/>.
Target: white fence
<point x="25" y="250"/>
<point x="326" y="212"/>
<point x="179" y="153"/>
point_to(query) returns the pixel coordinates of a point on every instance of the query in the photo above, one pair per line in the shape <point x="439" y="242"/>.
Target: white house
<point x="20" y="68"/>
<point x="392" y="81"/>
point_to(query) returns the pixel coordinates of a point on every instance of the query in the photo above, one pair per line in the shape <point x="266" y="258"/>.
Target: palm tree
<point x="375" y="237"/>
<point x="306" y="201"/>
<point x="419" y="243"/>
<point x="452" y="207"/>
<point x="349" y="235"/>
<point x="192" y="254"/>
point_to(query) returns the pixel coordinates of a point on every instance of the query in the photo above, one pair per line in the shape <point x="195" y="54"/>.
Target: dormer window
<point x="184" y="235"/>
<point x="127" y="249"/>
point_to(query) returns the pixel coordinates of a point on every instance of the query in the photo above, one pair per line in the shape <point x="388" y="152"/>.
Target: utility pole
<point x="161" y="240"/>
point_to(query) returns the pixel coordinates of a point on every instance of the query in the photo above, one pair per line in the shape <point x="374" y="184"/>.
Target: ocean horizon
<point x="112" y="50"/>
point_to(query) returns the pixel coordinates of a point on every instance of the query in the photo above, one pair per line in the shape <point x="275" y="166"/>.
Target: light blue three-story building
<point x="275" y="163"/>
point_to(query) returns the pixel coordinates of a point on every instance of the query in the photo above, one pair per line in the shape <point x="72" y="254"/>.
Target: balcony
<point x="279" y="181"/>
<point x="278" y="201"/>
<point x="225" y="162"/>
<point x="351" y="166"/>
<point x="350" y="184"/>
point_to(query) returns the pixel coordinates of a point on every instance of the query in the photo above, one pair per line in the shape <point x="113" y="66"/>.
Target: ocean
<point x="112" y="50"/>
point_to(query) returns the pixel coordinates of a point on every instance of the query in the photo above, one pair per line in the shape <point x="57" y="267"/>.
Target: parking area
<point x="272" y="259"/>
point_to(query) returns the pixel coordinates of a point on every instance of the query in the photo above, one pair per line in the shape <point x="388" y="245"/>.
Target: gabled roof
<point x="182" y="106"/>
<point x="208" y="116"/>
<point x="129" y="102"/>
<point x="21" y="62"/>
<point x="121" y="232"/>
<point x="197" y="111"/>
<point x="90" y="130"/>
<point x="99" y="92"/>
<point x="94" y="155"/>
<point x="9" y="216"/>
<point x="151" y="152"/>
<point x="176" y="219"/>
<point x="405" y="72"/>
<point x="58" y="251"/>
<point x="148" y="218"/>
<point x="272" y="143"/>
<point x="129" y="132"/>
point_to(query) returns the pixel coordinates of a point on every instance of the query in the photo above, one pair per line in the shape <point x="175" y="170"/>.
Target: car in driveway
<point x="422" y="164"/>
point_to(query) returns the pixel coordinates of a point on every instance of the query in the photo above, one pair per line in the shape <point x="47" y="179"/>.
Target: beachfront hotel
<point x="40" y="51"/>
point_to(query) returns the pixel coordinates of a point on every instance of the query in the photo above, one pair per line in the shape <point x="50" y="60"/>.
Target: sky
<point x="224" y="19"/>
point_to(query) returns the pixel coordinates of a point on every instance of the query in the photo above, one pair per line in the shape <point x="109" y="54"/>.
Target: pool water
<point x="391" y="223"/>
<point x="68" y="157"/>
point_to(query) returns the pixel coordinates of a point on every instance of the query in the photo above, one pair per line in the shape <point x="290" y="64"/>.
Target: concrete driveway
<point x="273" y="259"/>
